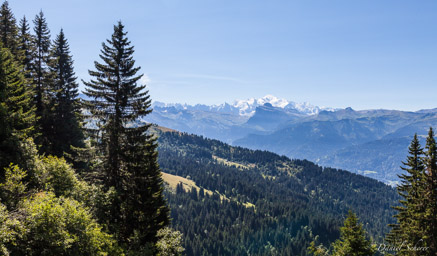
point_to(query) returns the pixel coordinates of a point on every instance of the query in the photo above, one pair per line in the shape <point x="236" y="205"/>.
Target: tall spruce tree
<point x="26" y="47"/>
<point x="42" y="82"/>
<point x="416" y="230"/>
<point x="9" y="30"/>
<point x="429" y="233"/>
<point x="352" y="240"/>
<point x="17" y="114"/>
<point x="66" y="106"/>
<point x="407" y="232"/>
<point x="129" y="164"/>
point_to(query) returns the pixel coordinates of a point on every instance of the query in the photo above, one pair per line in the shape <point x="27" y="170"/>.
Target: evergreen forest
<point x="84" y="174"/>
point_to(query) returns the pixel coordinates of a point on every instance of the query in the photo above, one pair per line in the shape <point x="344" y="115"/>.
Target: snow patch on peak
<point x="248" y="107"/>
<point x="276" y="102"/>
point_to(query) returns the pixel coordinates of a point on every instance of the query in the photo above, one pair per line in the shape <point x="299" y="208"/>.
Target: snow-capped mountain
<point x="248" y="107"/>
<point x="369" y="142"/>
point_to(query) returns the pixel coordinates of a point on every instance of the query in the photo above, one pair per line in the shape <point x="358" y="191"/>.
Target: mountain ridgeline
<point x="91" y="177"/>
<point x="368" y="142"/>
<point x="252" y="202"/>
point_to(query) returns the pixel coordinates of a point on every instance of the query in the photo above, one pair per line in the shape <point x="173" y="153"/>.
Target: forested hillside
<point x="66" y="189"/>
<point x="368" y="142"/>
<point x="90" y="177"/>
<point x="258" y="202"/>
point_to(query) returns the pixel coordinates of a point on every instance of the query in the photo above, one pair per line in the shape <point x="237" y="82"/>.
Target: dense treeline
<point x="415" y="232"/>
<point x="294" y="201"/>
<point x="66" y="190"/>
<point x="81" y="177"/>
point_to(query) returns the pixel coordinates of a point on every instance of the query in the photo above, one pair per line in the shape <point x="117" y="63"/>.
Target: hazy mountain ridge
<point x="370" y="142"/>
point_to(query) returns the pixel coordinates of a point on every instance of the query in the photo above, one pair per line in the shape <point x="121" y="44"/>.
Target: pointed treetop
<point x="8" y="27"/>
<point x="24" y="26"/>
<point x="352" y="238"/>
<point x="431" y="152"/>
<point x="42" y="32"/>
<point x="63" y="67"/>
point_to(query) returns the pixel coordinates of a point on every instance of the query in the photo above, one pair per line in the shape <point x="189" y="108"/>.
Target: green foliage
<point x="408" y="229"/>
<point x="319" y="250"/>
<point x="60" y="177"/>
<point x="429" y="220"/>
<point x="8" y="29"/>
<point x="17" y="114"/>
<point x="416" y="225"/>
<point x="13" y="189"/>
<point x="10" y="230"/>
<point x="32" y="162"/>
<point x="66" y="109"/>
<point x="294" y="200"/>
<point x="49" y="225"/>
<point x="62" y="226"/>
<point x="42" y="81"/>
<point x="48" y="173"/>
<point x="26" y="48"/>
<point x="128" y="153"/>
<point x="169" y="243"/>
<point x="47" y="207"/>
<point x="352" y="240"/>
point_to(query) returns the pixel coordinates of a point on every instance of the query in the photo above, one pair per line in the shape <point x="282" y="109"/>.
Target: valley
<point x="368" y="142"/>
<point x="234" y="201"/>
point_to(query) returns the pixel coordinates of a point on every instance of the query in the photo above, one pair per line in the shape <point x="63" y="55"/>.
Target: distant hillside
<point x="234" y="201"/>
<point x="372" y="143"/>
<point x="323" y="135"/>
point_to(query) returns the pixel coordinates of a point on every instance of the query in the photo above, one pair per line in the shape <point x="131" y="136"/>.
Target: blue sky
<point x="363" y="54"/>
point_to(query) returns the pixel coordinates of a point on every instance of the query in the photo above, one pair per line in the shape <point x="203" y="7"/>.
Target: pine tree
<point x="17" y="114"/>
<point x="429" y="232"/>
<point x="129" y="163"/>
<point x="66" y="106"/>
<point x="352" y="240"/>
<point x="41" y="81"/>
<point x="9" y="30"/>
<point x="408" y="230"/>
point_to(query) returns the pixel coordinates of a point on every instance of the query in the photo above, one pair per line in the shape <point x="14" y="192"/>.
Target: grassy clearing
<point x="187" y="184"/>
<point x="233" y="164"/>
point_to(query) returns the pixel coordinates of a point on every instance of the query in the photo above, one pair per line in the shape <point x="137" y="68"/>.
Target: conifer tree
<point x="129" y="163"/>
<point x="8" y="29"/>
<point x="17" y="114"/>
<point x="408" y="230"/>
<point x="26" y="47"/>
<point x="416" y="230"/>
<point x="352" y="240"/>
<point x="429" y="232"/>
<point x="41" y="81"/>
<point x="66" y="106"/>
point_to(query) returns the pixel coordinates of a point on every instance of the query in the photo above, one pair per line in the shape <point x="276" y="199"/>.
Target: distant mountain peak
<point x="248" y="107"/>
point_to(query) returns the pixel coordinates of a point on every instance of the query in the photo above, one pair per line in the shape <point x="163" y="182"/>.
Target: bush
<point x="62" y="226"/>
<point x="10" y="230"/>
<point x="170" y="242"/>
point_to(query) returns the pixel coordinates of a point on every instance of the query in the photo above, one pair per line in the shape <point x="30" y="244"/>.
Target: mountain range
<point x="369" y="142"/>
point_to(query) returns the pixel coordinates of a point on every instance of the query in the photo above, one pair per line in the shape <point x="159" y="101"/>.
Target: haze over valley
<point x="140" y="128"/>
<point x="368" y="142"/>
